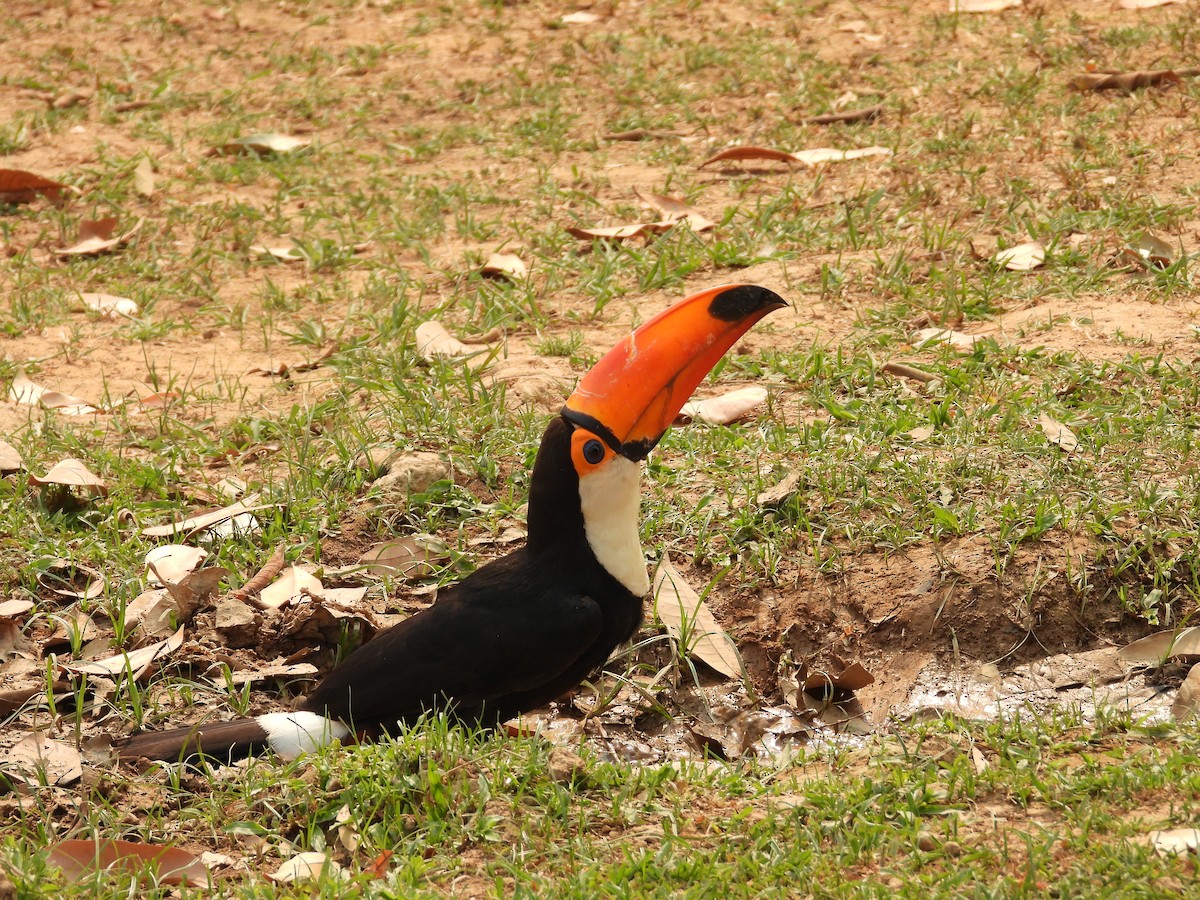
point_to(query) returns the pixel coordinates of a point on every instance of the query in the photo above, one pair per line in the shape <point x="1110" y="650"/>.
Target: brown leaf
<point x="1058" y="433"/>
<point x="280" y="668"/>
<point x="852" y="678"/>
<point x="727" y="408"/>
<point x="1150" y="252"/>
<point x="69" y="579"/>
<point x="10" y="609"/>
<point x="134" y="662"/>
<point x="22" y="390"/>
<point x="95" y="237"/>
<point x="72" y="473"/>
<point x="690" y="622"/>
<point x="154" y="611"/>
<point x="1146" y="4"/>
<point x="737" y="154"/>
<point x="17" y="186"/>
<point x="81" y="859"/>
<point x="195" y="589"/>
<point x="304" y="866"/>
<point x="827" y="155"/>
<point x="1175" y="841"/>
<point x="506" y="265"/>
<point x="903" y="370"/>
<point x="1187" y="700"/>
<point x="956" y="339"/>
<point x="265" y="144"/>
<point x="412" y="556"/>
<point x="674" y="209"/>
<point x="172" y="562"/>
<point x="1021" y="258"/>
<point x="435" y="342"/>
<point x="110" y="306"/>
<point x="641" y="134"/>
<point x="39" y="760"/>
<point x="779" y="493"/>
<point x="1156" y="648"/>
<point x="10" y="458"/>
<point x="293" y="584"/>
<point x="619" y="232"/>
<point x="143" y="177"/>
<point x="850" y="115"/>
<point x="204" y="520"/>
<point x="271" y="568"/>
<point x="982" y="6"/>
<point x="1128" y="81"/>
<point x="290" y="254"/>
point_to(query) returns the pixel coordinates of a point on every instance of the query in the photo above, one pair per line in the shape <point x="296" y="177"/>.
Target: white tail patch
<point x="290" y="734"/>
<point x="610" y="498"/>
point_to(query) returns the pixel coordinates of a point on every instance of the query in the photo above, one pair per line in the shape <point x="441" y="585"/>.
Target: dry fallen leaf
<point x="132" y="663"/>
<point x="292" y="584"/>
<point x="1058" y="433"/>
<point x="506" y="265"/>
<point x="71" y="473"/>
<point x="1157" y="647"/>
<point x="412" y="556"/>
<point x="619" y="232"/>
<point x="70" y="579"/>
<point x="826" y="155"/>
<point x="1146" y="4"/>
<point x="81" y="859"/>
<point x="1129" y="81"/>
<point x="234" y="511"/>
<point x="738" y="154"/>
<point x="18" y="186"/>
<point x="10" y="609"/>
<point x="22" y="390"/>
<point x="95" y="237"/>
<point x="1187" y="699"/>
<point x="675" y="210"/>
<point x="39" y="760"/>
<point x="1175" y="841"/>
<point x="279" y="668"/>
<point x="110" y="306"/>
<point x="289" y="254"/>
<point x="435" y="342"/>
<point x="143" y="177"/>
<point x="304" y="866"/>
<point x="982" y="6"/>
<point x="1150" y="252"/>
<point x="956" y="339"/>
<point x="172" y="562"/>
<point x="641" y="134"/>
<point x="727" y="408"/>
<point x="10" y="458"/>
<point x="690" y="622"/>
<point x="850" y="115"/>
<point x="265" y="144"/>
<point x="154" y="611"/>
<point x="1021" y="258"/>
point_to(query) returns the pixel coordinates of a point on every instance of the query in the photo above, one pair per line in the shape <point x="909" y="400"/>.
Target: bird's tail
<point x="285" y="734"/>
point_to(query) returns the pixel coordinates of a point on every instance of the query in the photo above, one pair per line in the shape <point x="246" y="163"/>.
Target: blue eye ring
<point x="593" y="452"/>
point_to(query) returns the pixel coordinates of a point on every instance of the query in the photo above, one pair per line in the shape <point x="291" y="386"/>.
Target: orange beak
<point x="631" y="396"/>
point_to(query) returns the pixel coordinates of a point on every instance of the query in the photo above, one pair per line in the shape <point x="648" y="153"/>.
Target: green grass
<point x="443" y="134"/>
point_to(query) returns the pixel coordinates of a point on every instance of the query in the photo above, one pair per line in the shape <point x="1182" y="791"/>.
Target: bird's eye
<point x="593" y="451"/>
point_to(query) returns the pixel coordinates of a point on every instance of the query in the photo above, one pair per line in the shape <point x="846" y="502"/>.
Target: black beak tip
<point x="744" y="300"/>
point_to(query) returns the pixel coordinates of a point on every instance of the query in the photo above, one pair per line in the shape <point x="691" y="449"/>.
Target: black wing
<point x="508" y="628"/>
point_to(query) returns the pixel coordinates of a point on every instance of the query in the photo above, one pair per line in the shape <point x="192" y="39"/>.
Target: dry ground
<point x="431" y="91"/>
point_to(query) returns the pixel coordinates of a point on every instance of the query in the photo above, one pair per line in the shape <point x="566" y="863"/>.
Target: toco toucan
<point x="526" y="628"/>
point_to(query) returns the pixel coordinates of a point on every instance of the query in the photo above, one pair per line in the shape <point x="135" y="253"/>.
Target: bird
<point x="525" y="628"/>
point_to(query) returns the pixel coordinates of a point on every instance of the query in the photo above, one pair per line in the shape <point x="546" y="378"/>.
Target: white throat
<point x="610" y="499"/>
